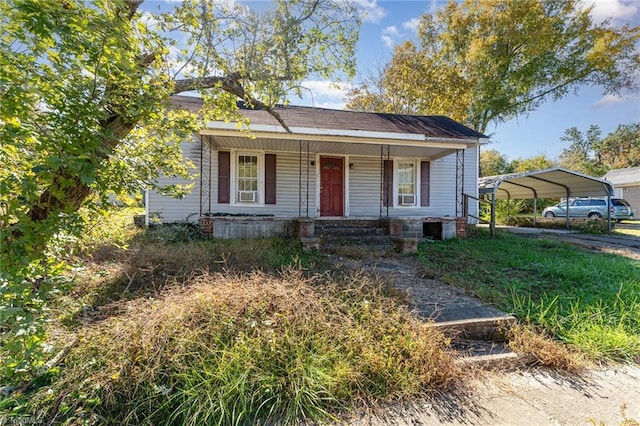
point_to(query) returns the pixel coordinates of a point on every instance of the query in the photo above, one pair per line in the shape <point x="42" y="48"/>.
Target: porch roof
<point x="436" y="134"/>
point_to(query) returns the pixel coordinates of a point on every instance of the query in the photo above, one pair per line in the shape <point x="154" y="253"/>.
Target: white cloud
<point x="390" y="35"/>
<point x="608" y="100"/>
<point x="412" y="24"/>
<point x="388" y="41"/>
<point x="622" y="11"/>
<point x="327" y="94"/>
<point x="391" y="31"/>
<point x="371" y="10"/>
<point x="327" y="88"/>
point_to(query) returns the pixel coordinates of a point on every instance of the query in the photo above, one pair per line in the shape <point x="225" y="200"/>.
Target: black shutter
<point x="387" y="183"/>
<point x="269" y="178"/>
<point x="425" y="178"/>
<point x="224" y="177"/>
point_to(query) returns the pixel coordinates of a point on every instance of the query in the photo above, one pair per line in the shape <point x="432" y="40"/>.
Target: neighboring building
<point x="333" y="164"/>
<point x="627" y="186"/>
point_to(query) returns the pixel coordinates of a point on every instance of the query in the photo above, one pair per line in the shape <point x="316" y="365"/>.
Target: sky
<point x="388" y="23"/>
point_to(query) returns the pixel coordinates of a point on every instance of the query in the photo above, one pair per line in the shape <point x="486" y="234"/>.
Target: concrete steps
<point x="480" y="341"/>
<point x="369" y="234"/>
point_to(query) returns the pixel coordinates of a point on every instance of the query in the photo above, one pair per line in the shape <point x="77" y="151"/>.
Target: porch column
<point x="459" y="182"/>
<point x="205" y="175"/>
<point x="303" y="154"/>
<point x="385" y="183"/>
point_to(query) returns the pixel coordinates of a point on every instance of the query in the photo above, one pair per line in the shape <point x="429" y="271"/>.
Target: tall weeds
<point x="247" y="348"/>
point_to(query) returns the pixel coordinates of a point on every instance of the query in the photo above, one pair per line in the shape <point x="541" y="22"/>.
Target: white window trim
<point x="396" y="182"/>
<point x="234" y="178"/>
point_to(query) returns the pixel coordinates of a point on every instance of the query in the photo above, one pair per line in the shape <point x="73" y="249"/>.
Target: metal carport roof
<point x="549" y="183"/>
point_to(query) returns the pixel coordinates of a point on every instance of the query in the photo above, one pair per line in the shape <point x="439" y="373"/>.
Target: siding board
<point x="364" y="189"/>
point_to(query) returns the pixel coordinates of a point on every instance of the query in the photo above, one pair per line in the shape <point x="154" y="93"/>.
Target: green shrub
<point x="590" y="226"/>
<point x="504" y="209"/>
<point x="180" y="232"/>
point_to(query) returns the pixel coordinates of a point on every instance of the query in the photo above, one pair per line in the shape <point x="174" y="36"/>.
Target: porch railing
<point x="492" y="208"/>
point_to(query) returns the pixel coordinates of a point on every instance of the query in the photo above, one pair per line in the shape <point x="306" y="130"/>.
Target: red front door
<point x="331" y="186"/>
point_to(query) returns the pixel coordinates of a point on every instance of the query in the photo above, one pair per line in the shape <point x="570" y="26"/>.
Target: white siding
<point x="363" y="191"/>
<point x="364" y="187"/>
<point x="188" y="208"/>
<point x="170" y="209"/>
<point x="287" y="184"/>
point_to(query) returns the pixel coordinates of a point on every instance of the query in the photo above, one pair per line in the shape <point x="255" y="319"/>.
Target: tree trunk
<point x="65" y="194"/>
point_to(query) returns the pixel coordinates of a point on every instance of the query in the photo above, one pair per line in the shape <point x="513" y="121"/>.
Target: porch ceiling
<point x="327" y="147"/>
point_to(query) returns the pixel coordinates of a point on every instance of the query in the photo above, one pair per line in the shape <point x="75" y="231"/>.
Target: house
<point x="409" y="172"/>
<point x="627" y="186"/>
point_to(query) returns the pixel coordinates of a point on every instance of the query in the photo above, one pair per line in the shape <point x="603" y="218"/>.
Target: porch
<point x="403" y="234"/>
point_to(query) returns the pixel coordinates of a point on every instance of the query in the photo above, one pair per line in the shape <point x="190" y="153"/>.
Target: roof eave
<point x="338" y="135"/>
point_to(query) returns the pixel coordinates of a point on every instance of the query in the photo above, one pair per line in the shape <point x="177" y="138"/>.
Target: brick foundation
<point x="304" y="228"/>
<point x="206" y="224"/>
<point x="461" y="227"/>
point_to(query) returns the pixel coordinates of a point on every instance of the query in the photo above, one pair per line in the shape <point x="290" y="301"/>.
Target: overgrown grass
<point x="229" y="332"/>
<point x="232" y="348"/>
<point x="589" y="300"/>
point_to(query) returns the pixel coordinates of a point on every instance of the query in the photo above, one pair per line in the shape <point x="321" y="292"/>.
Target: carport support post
<point x="609" y="208"/>
<point x="492" y="225"/>
<point x="568" y="220"/>
<point x="535" y="212"/>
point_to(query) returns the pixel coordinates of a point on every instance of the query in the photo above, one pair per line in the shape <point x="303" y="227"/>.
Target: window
<point x="406" y="184"/>
<point x="247" y="179"/>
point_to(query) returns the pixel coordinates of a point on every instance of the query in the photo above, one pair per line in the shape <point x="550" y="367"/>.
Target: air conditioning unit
<point x="407" y="200"/>
<point x="247" y="196"/>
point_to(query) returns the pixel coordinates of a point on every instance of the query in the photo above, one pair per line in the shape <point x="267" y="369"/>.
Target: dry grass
<point x="536" y="348"/>
<point x="183" y="334"/>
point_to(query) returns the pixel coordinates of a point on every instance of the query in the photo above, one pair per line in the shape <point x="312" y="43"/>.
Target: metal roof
<point x="549" y="183"/>
<point x="624" y="177"/>
<point x="323" y="118"/>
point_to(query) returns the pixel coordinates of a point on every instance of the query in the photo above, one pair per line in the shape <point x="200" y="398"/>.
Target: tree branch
<point x="230" y="84"/>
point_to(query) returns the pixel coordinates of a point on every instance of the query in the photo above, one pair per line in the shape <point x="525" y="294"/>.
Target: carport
<point x="549" y="183"/>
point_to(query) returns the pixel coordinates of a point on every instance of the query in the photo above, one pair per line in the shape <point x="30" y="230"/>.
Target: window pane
<point x="406" y="178"/>
<point x="247" y="178"/>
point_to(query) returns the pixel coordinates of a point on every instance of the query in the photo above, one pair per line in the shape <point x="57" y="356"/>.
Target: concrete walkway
<point x="525" y="398"/>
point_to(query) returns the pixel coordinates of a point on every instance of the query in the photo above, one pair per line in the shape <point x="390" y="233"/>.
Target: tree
<point x="486" y="61"/>
<point x="581" y="155"/>
<point x="591" y="154"/>
<point x="85" y="109"/>
<point x="493" y="163"/>
<point x="539" y="162"/>
<point x="620" y="148"/>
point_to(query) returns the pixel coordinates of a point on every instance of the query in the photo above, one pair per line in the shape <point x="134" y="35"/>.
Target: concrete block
<point x="404" y="245"/>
